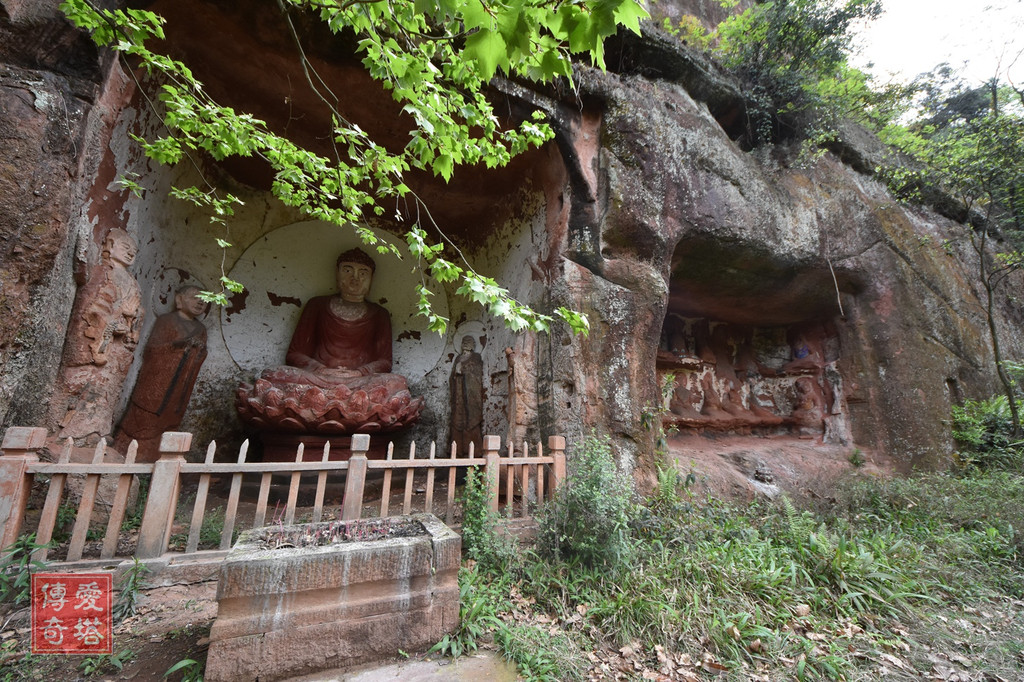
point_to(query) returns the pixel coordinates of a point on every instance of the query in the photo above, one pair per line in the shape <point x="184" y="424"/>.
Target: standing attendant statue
<point x="100" y="347"/>
<point x="466" y="391"/>
<point x="170" y="365"/>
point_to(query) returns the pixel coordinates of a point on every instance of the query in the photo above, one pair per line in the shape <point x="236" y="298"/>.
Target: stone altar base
<point x="300" y="610"/>
<point x="281" y="447"/>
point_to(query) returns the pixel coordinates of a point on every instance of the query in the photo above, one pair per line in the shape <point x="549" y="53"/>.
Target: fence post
<point x="491" y="473"/>
<point x="163" y="495"/>
<point x="556" y="446"/>
<point x="19" y="446"/>
<point x="355" y="480"/>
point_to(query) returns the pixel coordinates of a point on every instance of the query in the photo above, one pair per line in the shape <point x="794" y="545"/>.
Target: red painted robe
<point x="171" y="361"/>
<point x="363" y="344"/>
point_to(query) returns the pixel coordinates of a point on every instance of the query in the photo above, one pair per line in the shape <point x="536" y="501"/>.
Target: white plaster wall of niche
<point x="284" y="268"/>
<point x="506" y="257"/>
<point x="176" y="237"/>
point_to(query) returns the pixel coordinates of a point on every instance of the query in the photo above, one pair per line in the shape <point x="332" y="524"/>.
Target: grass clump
<point x="480" y="599"/>
<point x="209" y="532"/>
<point x="130" y="591"/>
<point x="540" y="654"/>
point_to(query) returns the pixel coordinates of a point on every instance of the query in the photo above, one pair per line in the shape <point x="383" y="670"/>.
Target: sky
<point x="913" y="36"/>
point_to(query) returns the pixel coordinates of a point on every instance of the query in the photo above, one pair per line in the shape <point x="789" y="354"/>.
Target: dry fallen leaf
<point x="734" y="632"/>
<point x="714" y="668"/>
<point x="892" y="660"/>
<point x="801" y="610"/>
<point x="755" y="646"/>
<point x="850" y="629"/>
<point x="962" y="660"/>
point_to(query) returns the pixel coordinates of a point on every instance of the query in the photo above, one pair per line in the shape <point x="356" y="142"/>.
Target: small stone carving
<point x="466" y="392"/>
<point x="101" y="340"/>
<point x="809" y="410"/>
<point x="808" y="355"/>
<point x="522" y="387"/>
<point x="171" y="360"/>
<point x="337" y="378"/>
<point x="685" y="402"/>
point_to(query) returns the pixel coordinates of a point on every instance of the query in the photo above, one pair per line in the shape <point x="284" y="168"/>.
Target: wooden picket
<point x="19" y="465"/>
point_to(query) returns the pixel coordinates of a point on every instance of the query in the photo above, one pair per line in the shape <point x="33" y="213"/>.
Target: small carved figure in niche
<point x="713" y="409"/>
<point x="337" y="378"/>
<point x="685" y="402"/>
<point x="809" y="411"/>
<point x="466" y="392"/>
<point x="811" y="360"/>
<point x="102" y="335"/>
<point x="731" y="393"/>
<point x="702" y="341"/>
<point x="808" y="355"/>
<point x="171" y="360"/>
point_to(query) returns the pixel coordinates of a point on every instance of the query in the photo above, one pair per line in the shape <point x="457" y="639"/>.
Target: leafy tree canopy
<point x="969" y="141"/>
<point x="436" y="59"/>
<point x="790" y="56"/>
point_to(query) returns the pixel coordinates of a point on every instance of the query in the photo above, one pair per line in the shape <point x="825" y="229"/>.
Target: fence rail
<point x="526" y="479"/>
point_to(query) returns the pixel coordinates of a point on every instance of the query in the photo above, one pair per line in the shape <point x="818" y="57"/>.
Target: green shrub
<point x="984" y="431"/>
<point x="481" y="540"/>
<point x="590" y="515"/>
<point x="783" y="50"/>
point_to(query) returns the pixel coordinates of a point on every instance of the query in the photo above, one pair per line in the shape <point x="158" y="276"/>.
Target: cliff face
<point x="57" y="98"/>
<point x="730" y="293"/>
<point x="725" y="269"/>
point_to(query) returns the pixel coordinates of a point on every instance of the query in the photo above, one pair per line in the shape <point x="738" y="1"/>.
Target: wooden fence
<point x="527" y="479"/>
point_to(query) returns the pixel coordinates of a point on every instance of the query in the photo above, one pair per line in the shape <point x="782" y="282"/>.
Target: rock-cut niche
<point x="749" y="346"/>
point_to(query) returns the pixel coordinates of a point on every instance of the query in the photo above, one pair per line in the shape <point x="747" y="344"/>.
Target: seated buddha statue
<point x="337" y="375"/>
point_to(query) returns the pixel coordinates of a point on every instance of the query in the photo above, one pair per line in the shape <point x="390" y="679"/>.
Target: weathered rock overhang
<point x="645" y="209"/>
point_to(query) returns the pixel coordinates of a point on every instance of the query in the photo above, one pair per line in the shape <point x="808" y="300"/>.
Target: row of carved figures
<point x="336" y="379"/>
<point x="716" y="379"/>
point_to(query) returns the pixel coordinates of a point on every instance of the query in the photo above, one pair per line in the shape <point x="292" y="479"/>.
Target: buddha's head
<point x="354" y="275"/>
<point x="120" y="247"/>
<point x="468" y="344"/>
<point x="188" y="303"/>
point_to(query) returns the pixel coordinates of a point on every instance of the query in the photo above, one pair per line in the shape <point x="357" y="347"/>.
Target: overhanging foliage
<point x="436" y="60"/>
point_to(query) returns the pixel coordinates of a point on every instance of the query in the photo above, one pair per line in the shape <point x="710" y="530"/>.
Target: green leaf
<point x="444" y="166"/>
<point x="629" y="13"/>
<point x="487" y="48"/>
